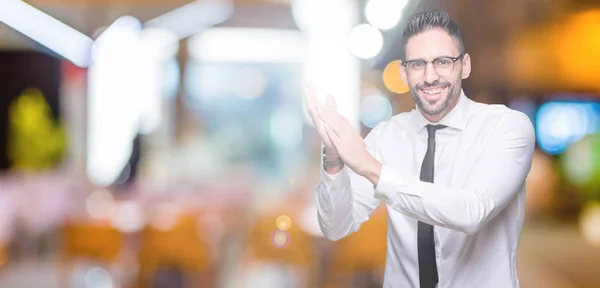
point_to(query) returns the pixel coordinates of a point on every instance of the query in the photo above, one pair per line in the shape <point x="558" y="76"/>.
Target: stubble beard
<point x="437" y="109"/>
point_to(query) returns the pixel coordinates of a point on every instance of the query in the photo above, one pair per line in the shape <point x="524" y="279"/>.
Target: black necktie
<point x="428" y="275"/>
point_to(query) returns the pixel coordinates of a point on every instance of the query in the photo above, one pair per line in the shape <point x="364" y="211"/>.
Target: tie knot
<point x="432" y="128"/>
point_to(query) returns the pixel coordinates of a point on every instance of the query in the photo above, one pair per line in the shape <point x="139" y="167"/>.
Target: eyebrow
<point x="421" y="59"/>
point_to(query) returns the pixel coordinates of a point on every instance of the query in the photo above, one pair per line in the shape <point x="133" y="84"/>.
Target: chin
<point x="433" y="107"/>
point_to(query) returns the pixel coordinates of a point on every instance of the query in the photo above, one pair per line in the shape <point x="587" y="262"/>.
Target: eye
<point x="443" y="62"/>
<point x="417" y="64"/>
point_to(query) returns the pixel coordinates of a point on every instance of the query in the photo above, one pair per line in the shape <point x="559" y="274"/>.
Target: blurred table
<point x="556" y="256"/>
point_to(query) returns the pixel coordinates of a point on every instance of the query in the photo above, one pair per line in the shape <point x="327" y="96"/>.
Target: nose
<point x="430" y="73"/>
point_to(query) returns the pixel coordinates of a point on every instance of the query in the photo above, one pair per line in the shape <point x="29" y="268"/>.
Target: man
<point x="452" y="171"/>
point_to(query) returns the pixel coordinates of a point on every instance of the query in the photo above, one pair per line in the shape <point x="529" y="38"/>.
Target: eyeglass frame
<point x="454" y="59"/>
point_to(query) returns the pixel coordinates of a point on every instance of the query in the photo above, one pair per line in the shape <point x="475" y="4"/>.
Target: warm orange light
<point x="577" y="48"/>
<point x="283" y="222"/>
<point x="392" y="79"/>
<point x="564" y="55"/>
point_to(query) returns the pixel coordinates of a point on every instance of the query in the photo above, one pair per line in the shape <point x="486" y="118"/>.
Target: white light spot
<point x="384" y="14"/>
<point x="365" y="41"/>
<point x="165" y="216"/>
<point x="98" y="278"/>
<point x="127" y="218"/>
<point x="99" y="204"/>
<point x="590" y="224"/>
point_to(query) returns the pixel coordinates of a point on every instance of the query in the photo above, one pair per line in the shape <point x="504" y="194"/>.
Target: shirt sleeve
<point x="346" y="200"/>
<point x="494" y="181"/>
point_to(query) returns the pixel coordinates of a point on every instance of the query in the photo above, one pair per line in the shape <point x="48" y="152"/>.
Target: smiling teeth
<point x="430" y="92"/>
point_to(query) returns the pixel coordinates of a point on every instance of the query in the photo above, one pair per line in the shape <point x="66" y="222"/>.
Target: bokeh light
<point x="581" y="163"/>
<point x="590" y="223"/>
<point x="581" y="166"/>
<point x="283" y="222"/>
<point x="374" y="108"/>
<point x="392" y="78"/>
<point x="280" y="239"/>
<point x="560" y="124"/>
<point x="578" y="162"/>
<point x="127" y="217"/>
<point x="159" y="43"/>
<point x="98" y="278"/>
<point x="99" y="204"/>
<point x="576" y="47"/>
<point x="365" y="41"/>
<point x="164" y="216"/>
<point x="384" y="14"/>
<point x="315" y="16"/>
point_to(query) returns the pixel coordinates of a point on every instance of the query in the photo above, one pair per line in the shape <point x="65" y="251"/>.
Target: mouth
<point x="432" y="93"/>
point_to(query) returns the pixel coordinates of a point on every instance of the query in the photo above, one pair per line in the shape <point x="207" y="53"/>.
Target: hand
<point x="348" y="142"/>
<point x="312" y="107"/>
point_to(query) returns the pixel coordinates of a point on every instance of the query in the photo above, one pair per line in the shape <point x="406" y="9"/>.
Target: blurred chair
<point x="177" y="255"/>
<point x="3" y="255"/>
<point x="278" y="258"/>
<point x="90" y="241"/>
<point x="358" y="260"/>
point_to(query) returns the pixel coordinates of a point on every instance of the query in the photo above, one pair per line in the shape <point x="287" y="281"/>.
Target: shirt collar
<point x="457" y="118"/>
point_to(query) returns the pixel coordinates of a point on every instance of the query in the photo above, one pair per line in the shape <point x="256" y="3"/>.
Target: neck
<point x="435" y="118"/>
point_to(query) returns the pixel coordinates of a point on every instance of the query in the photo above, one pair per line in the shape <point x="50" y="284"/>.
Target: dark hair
<point x="423" y="21"/>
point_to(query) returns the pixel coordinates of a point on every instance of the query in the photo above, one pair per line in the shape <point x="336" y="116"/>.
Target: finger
<point x="318" y="124"/>
<point x="335" y="139"/>
<point x="314" y="106"/>
<point x="325" y="136"/>
<point x="334" y="126"/>
<point x="331" y="116"/>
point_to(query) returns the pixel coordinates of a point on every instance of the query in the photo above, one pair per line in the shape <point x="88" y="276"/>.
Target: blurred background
<point x="148" y="143"/>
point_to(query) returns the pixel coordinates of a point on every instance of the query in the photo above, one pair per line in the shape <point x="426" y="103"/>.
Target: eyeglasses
<point x="443" y="65"/>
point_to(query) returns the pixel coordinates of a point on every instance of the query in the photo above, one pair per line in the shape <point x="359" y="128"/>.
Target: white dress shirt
<point x="476" y="202"/>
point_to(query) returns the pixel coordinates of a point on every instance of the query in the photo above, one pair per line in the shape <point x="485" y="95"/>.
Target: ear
<point x="466" y="68"/>
<point x="403" y="74"/>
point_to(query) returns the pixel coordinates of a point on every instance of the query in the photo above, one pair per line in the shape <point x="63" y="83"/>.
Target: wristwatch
<point x="337" y="161"/>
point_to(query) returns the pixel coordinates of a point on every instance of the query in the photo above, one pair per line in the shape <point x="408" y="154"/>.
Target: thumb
<point x="331" y="100"/>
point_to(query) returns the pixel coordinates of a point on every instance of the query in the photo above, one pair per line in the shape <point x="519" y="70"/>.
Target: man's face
<point x="435" y="90"/>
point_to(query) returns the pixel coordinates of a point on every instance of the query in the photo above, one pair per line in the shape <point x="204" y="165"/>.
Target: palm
<point x="313" y="107"/>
